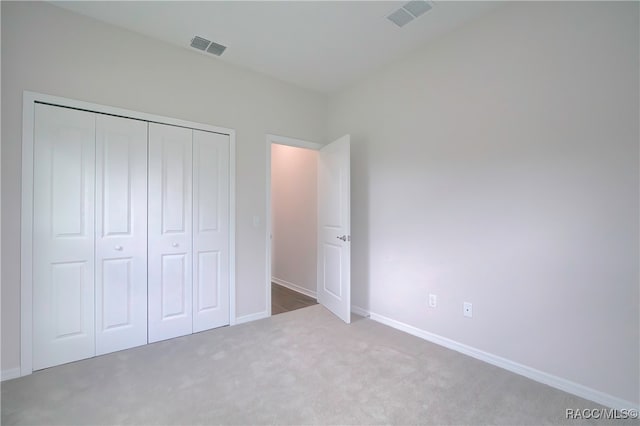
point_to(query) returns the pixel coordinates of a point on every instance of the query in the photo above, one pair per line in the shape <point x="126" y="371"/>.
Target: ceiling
<point x="319" y="45"/>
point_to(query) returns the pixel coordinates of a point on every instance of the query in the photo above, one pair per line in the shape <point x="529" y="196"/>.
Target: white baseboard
<point x="251" y="317"/>
<point x="523" y="370"/>
<point x="294" y="287"/>
<point x="359" y="311"/>
<point x="12" y="373"/>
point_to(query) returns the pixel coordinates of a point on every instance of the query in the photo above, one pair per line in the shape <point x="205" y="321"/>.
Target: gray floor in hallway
<point x="300" y="367"/>
<point x="286" y="300"/>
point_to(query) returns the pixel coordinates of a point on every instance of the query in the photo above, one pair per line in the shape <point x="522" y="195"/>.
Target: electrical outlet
<point x="433" y="300"/>
<point x="467" y="309"/>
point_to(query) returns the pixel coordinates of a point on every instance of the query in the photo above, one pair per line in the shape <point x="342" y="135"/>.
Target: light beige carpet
<point x="300" y="367"/>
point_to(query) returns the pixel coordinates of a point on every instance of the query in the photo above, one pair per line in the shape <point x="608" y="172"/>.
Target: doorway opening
<point x="292" y="223"/>
<point x="333" y="224"/>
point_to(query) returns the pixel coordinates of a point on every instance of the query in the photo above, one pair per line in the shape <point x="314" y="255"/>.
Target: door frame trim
<point x="29" y="100"/>
<point x="278" y="140"/>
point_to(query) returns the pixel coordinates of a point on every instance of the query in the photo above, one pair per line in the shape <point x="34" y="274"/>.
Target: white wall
<point x="49" y="50"/>
<point x="499" y="165"/>
<point x="1" y="199"/>
<point x="294" y="211"/>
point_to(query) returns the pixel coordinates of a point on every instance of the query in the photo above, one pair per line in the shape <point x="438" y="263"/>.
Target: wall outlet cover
<point x="467" y="309"/>
<point x="433" y="300"/>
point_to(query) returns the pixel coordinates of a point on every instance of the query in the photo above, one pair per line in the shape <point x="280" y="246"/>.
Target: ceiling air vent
<point x="417" y="7"/>
<point x="199" y="43"/>
<point x="408" y="12"/>
<point x="207" y="46"/>
<point x="400" y="17"/>
<point x="216" y="48"/>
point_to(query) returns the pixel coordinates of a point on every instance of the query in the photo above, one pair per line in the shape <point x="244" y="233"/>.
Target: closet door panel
<point x="211" y="230"/>
<point x="121" y="233"/>
<point x="174" y="286"/>
<point x="63" y="236"/>
<point x="170" y="232"/>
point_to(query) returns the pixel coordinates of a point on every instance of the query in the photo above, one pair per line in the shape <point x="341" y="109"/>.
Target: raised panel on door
<point x="170" y="232"/>
<point x="210" y="230"/>
<point x="63" y="236"/>
<point x="121" y="233"/>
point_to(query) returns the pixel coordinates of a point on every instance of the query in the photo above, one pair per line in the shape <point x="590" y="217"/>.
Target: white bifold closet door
<point x="90" y="242"/>
<point x="63" y="236"/>
<point x="121" y="233"/>
<point x="170" y="218"/>
<point x="210" y="230"/>
<point x="131" y="233"/>
<point x="188" y="231"/>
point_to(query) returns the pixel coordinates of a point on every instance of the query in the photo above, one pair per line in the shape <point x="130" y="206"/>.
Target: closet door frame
<point x="30" y="99"/>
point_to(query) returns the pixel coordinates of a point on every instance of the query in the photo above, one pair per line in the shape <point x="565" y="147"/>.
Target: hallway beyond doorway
<point x="285" y="300"/>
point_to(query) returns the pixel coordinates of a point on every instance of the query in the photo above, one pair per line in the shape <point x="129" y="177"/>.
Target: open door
<point x="334" y="228"/>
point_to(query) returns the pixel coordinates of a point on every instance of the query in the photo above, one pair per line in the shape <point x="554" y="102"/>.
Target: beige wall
<point x="294" y="215"/>
<point x="499" y="166"/>
<point x="49" y="50"/>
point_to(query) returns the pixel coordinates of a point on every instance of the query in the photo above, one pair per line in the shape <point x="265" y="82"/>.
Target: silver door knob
<point x="119" y="248"/>
<point x="174" y="245"/>
<point x="343" y="238"/>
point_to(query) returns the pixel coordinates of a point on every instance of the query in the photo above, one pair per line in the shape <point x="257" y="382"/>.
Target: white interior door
<point x="334" y="228"/>
<point x="170" y="232"/>
<point x="121" y="233"/>
<point x="210" y="230"/>
<point x="63" y="236"/>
